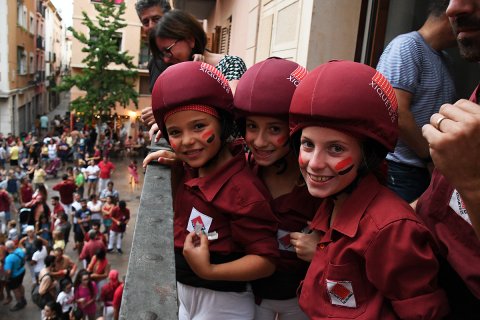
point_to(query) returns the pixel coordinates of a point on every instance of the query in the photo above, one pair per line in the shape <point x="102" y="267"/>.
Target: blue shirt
<point x="410" y="64"/>
<point x="15" y="262"/>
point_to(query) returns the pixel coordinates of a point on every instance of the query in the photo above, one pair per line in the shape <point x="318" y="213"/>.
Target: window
<point x="32" y="63"/>
<point x="32" y="23"/>
<point x="21" y="61"/>
<point x="118" y="39"/>
<point x="144" y="85"/>
<point x="21" y="14"/>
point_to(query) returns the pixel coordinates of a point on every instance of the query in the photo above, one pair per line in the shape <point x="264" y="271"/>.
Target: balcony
<point x="150" y="286"/>
<point x="41" y="8"/>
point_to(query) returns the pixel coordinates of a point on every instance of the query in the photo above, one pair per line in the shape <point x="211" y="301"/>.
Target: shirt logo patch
<point x="456" y="203"/>
<point x="200" y="218"/>
<point x="341" y="293"/>
<point x="283" y="238"/>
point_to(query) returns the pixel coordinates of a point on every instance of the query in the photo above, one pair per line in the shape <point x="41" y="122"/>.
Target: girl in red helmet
<point x="262" y="101"/>
<point x="224" y="228"/>
<point x="374" y="259"/>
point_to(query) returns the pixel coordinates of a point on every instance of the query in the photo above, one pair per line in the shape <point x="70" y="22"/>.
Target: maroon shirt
<point x="375" y="262"/>
<point x="120" y="215"/>
<point x="443" y="211"/>
<point x="66" y="189"/>
<point x="90" y="248"/>
<point x="236" y="201"/>
<point x="105" y="169"/>
<point x="4" y="201"/>
<point x="293" y="210"/>
<point x="26" y="193"/>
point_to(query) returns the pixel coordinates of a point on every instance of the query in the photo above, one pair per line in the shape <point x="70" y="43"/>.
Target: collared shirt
<point x="441" y="208"/>
<point x="232" y="202"/>
<point x="293" y="210"/>
<point x="374" y="262"/>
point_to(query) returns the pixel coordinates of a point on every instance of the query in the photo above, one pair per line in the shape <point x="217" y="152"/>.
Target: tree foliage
<point x="109" y="75"/>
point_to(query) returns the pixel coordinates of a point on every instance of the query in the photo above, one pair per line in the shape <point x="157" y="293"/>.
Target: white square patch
<point x="341" y="293"/>
<point x="198" y="217"/>
<point x="283" y="238"/>
<point x="456" y="203"/>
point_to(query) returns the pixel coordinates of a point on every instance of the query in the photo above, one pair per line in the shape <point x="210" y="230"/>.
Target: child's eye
<point x="336" y="148"/>
<point x="173" y="133"/>
<point x="251" y="126"/>
<point x="199" y="126"/>
<point x="306" y="144"/>
<point x="275" y="130"/>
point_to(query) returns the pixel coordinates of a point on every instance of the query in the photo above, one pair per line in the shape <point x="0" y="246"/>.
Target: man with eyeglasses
<point x="150" y="12"/>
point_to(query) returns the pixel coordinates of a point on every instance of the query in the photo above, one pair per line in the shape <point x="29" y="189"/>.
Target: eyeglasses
<point x="167" y="52"/>
<point x="154" y="19"/>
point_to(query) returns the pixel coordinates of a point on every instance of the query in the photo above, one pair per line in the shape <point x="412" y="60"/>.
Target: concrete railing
<point x="150" y="289"/>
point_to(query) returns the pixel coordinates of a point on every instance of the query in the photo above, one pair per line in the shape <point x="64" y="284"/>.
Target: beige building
<point x="23" y="89"/>
<point x="130" y="39"/>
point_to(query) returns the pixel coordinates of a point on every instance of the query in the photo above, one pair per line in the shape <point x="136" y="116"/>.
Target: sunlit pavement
<point x="117" y="261"/>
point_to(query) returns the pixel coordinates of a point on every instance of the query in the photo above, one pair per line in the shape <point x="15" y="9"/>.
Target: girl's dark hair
<point x="49" y="260"/>
<point x="78" y="281"/>
<point x="64" y="282"/>
<point x="56" y="308"/>
<point x="100" y="254"/>
<point x="38" y="244"/>
<point x="178" y="25"/>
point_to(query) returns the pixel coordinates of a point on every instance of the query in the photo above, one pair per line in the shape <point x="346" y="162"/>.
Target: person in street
<point x="65" y="298"/>
<point x="105" y="174"/>
<point x="82" y="226"/>
<point x="85" y="293"/>
<point x="117" y="301"/>
<point x="367" y="233"/>
<point x="91" y="246"/>
<point x="6" y="205"/>
<point x="47" y="283"/>
<point x="109" y="191"/>
<point x="418" y="69"/>
<point x="450" y="207"/>
<point x="107" y="293"/>
<point x="15" y="270"/>
<point x="63" y="266"/>
<point x="120" y="218"/>
<point x="66" y="188"/>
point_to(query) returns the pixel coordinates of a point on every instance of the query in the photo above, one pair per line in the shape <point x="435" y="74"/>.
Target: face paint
<point x="282" y="141"/>
<point x="345" y="166"/>
<point x="210" y="140"/>
<point x="174" y="146"/>
<point x="300" y="161"/>
<point x="208" y="136"/>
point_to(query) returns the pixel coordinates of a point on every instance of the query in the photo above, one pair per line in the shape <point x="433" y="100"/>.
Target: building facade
<point x="23" y="88"/>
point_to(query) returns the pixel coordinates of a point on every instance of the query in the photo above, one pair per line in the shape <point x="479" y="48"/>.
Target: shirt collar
<point x="210" y="185"/>
<point x="353" y="209"/>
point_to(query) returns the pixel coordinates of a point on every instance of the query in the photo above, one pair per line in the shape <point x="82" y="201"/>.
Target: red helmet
<point x="347" y="96"/>
<point x="187" y="84"/>
<point x="267" y="88"/>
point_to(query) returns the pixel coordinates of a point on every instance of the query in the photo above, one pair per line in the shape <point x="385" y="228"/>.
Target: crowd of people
<point x="347" y="203"/>
<point x="37" y="221"/>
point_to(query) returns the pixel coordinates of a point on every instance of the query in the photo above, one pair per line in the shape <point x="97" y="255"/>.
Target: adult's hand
<point x="147" y="116"/>
<point x="154" y="130"/>
<point x="454" y="140"/>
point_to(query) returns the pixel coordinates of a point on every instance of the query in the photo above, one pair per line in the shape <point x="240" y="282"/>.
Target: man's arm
<point x="455" y="150"/>
<point x="410" y="132"/>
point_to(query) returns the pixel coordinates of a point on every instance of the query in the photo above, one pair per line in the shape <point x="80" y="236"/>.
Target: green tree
<point x="109" y="76"/>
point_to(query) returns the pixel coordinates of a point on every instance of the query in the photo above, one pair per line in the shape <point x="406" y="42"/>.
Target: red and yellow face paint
<point x="208" y="136"/>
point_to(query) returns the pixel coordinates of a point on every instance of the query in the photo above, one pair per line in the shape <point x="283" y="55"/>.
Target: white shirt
<point x="65" y="300"/>
<point x="39" y="257"/>
<point x="96" y="209"/>
<point x="92" y="172"/>
<point x="76" y="206"/>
